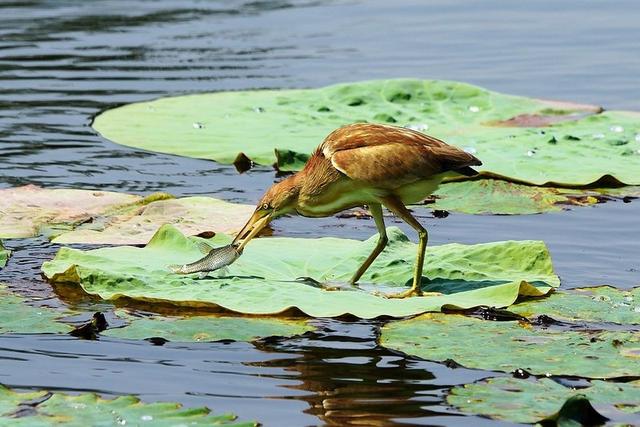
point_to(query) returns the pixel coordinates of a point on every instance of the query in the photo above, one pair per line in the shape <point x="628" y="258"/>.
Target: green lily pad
<point x="528" y="401"/>
<point x="208" y="328"/>
<point x="263" y="279"/>
<point x="43" y="408"/>
<point x="99" y="217"/>
<point x="490" y="196"/>
<point x="191" y="215"/>
<point x="507" y="346"/>
<point x="18" y="317"/>
<point x="4" y="255"/>
<point x="597" y="304"/>
<point x="527" y="140"/>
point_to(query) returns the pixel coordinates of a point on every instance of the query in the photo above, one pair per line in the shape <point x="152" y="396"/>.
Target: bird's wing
<point x="378" y="153"/>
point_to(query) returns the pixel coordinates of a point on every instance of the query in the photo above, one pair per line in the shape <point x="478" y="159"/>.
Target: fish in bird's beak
<point x="256" y="223"/>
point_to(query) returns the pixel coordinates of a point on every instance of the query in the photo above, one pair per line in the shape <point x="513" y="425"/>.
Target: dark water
<point x="61" y="62"/>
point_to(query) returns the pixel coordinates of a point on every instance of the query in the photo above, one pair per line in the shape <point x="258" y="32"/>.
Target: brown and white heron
<point x="365" y="164"/>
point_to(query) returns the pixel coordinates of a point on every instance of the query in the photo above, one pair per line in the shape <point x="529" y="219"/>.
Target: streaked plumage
<point x="365" y="164"/>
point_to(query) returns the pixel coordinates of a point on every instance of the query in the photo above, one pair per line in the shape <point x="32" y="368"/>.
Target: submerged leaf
<point x="263" y="279"/>
<point x="507" y="346"/>
<point x="509" y="134"/>
<point x="208" y="328"/>
<point x="16" y="316"/>
<point x="530" y="401"/>
<point x="597" y="304"/>
<point x="42" y="408"/>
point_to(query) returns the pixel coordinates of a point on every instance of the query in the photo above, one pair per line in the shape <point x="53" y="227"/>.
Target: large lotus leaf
<point x="262" y="280"/>
<point x="25" y="210"/>
<point x="18" y="317"/>
<point x="191" y="215"/>
<point x="208" y="328"/>
<point x="43" y="409"/>
<point x="4" y="255"/>
<point x="597" y="304"/>
<point x="490" y="196"/>
<point x="524" y="139"/>
<point x="507" y="346"/>
<point x="528" y="401"/>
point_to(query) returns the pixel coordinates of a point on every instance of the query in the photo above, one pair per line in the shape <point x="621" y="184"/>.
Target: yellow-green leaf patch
<point x="263" y="279"/>
<point x="16" y="316"/>
<point x="507" y="346"/>
<point x="4" y="255"/>
<point x="529" y="401"/>
<point x="526" y="140"/>
<point x="208" y="328"/>
<point x="43" y="409"/>
<point x="596" y="304"/>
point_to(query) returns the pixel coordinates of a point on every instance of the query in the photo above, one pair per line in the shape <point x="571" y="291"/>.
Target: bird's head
<point x="279" y="200"/>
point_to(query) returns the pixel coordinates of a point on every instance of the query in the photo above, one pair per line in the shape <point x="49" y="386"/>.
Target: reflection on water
<point x="61" y="62"/>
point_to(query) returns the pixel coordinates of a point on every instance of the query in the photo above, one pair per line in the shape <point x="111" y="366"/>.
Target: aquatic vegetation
<point x="207" y="328"/>
<point x="4" y="255"/>
<point x="595" y="304"/>
<point x="43" y="408"/>
<point x="16" y="316"/>
<point x="539" y="350"/>
<point x="263" y="279"/>
<point x="530" y="401"/>
<point x="99" y="217"/>
<point x="523" y="139"/>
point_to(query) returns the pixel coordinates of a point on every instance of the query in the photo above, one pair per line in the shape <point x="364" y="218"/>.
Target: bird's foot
<point x="413" y="292"/>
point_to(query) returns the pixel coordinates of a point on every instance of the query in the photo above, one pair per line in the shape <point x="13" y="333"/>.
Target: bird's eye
<point x="265" y="207"/>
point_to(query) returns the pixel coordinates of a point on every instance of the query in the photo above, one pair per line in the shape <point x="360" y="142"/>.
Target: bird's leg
<point x="399" y="209"/>
<point x="376" y="212"/>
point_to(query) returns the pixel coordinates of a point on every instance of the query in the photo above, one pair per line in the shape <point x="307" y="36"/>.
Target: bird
<point x="365" y="164"/>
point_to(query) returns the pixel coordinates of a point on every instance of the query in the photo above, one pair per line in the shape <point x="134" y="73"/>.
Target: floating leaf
<point x="510" y="134"/>
<point x="597" y="304"/>
<point x="98" y="217"/>
<point x="42" y="408"/>
<point x="18" y="317"/>
<point x="25" y="210"/>
<point x="208" y="328"/>
<point x="487" y="196"/>
<point x="529" y="401"/>
<point x="191" y="215"/>
<point x="263" y="280"/>
<point x="507" y="346"/>
<point x="4" y="255"/>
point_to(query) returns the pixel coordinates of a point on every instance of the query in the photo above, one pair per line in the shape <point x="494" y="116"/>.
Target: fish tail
<point x="177" y="268"/>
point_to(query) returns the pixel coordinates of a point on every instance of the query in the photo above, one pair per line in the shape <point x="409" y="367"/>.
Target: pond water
<point x="61" y="62"/>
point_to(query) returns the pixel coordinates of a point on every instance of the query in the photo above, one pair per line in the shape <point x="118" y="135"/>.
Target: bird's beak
<point x="256" y="223"/>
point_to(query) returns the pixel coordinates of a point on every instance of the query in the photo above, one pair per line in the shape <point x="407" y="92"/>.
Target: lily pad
<point x="208" y="328"/>
<point x="99" y="217"/>
<point x="4" y="255"/>
<point x="24" y="211"/>
<point x="191" y="215"/>
<point x="263" y="280"/>
<point x="16" y="316"/>
<point x="507" y="346"/>
<point x="43" y="408"/>
<point x="528" y="401"/>
<point x="596" y="304"/>
<point x="527" y="140"/>
<point x="490" y="196"/>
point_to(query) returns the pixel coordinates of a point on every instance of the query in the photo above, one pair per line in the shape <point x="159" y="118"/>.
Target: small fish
<point x="214" y="259"/>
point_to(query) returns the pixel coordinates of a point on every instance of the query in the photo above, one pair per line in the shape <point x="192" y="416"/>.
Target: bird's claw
<point x="413" y="293"/>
